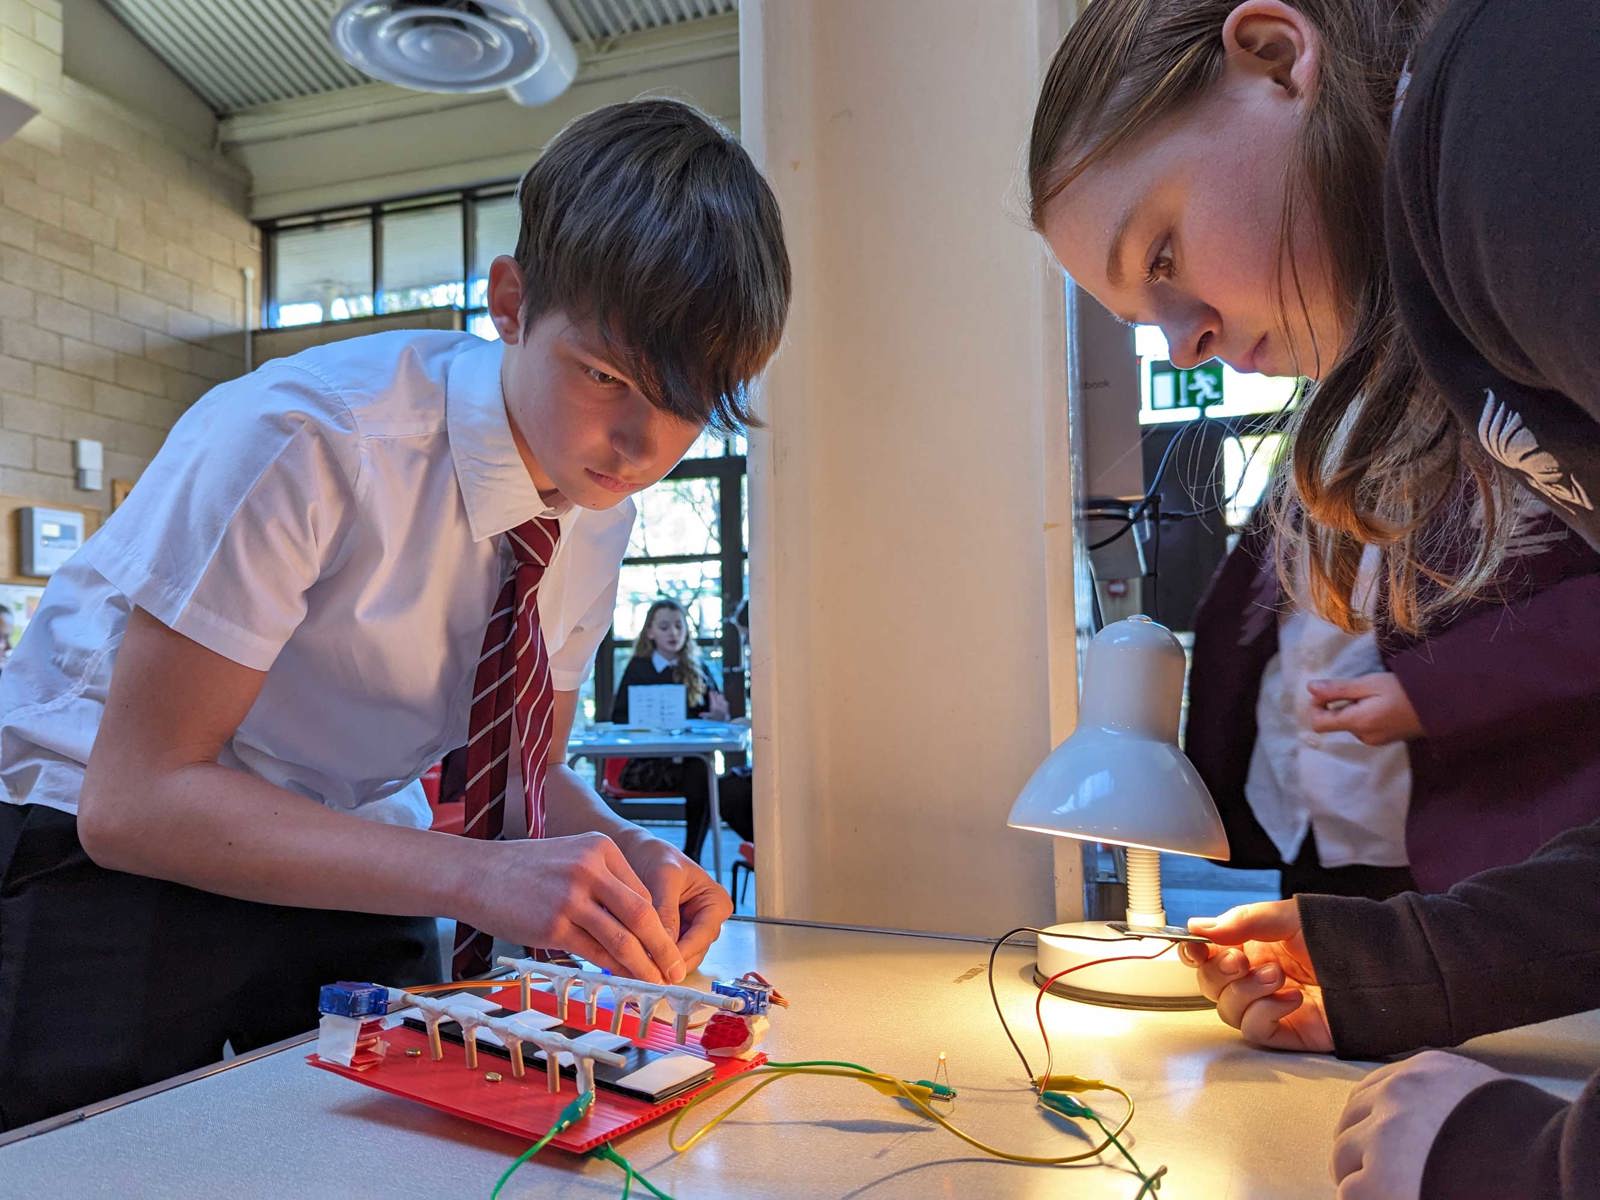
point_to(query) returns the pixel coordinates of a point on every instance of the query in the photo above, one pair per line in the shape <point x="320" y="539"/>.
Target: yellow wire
<point x="884" y="1083"/>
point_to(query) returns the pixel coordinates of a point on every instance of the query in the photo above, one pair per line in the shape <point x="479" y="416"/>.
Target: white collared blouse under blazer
<point x="336" y="520"/>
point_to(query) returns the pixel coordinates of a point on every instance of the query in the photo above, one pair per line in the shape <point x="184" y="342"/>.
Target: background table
<point x="1230" y="1122"/>
<point x="701" y="739"/>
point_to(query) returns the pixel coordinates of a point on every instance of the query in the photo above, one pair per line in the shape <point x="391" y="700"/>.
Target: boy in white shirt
<point x="337" y="569"/>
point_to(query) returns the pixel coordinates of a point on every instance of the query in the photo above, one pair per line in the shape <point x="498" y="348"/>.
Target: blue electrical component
<point x="757" y="997"/>
<point x="347" y="999"/>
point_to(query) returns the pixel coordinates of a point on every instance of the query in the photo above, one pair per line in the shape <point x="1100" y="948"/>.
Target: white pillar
<point x="911" y="556"/>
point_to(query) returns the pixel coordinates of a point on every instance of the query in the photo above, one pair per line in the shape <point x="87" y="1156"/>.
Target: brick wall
<point x="121" y="245"/>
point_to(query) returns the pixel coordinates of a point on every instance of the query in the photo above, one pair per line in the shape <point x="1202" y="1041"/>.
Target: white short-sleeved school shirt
<point x="1354" y="796"/>
<point x="335" y="519"/>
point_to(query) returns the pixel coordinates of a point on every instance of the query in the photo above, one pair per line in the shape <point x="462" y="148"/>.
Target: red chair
<point x="610" y="786"/>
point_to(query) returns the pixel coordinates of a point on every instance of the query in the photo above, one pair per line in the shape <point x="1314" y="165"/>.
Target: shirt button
<point x="1310" y="739"/>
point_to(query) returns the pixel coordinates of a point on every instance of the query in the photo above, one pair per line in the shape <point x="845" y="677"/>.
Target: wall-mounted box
<point x="50" y="536"/>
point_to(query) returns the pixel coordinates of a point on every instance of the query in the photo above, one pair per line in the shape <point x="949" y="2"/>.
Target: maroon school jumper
<point x="1508" y="695"/>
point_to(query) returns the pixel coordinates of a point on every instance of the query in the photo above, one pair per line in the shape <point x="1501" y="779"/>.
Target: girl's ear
<point x="1270" y="40"/>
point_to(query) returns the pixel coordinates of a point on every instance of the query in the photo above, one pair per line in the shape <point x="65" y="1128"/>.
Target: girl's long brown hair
<point x="687" y="670"/>
<point x="1378" y="458"/>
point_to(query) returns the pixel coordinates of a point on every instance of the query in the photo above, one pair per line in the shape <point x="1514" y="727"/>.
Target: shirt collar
<point x="495" y="484"/>
<point x="660" y="663"/>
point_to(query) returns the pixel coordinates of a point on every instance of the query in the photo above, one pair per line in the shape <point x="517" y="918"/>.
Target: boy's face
<point x="583" y="428"/>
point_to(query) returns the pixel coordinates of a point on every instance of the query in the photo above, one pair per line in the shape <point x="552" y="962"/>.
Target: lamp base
<point x="1154" y="983"/>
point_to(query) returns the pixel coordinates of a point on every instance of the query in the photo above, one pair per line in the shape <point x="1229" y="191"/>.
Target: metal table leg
<point x="716" y="816"/>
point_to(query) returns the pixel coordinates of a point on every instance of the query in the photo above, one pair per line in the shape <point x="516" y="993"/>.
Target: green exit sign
<point x="1172" y="387"/>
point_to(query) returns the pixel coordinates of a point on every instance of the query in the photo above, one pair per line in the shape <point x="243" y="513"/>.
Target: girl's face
<point x="1181" y="228"/>
<point x="667" y="632"/>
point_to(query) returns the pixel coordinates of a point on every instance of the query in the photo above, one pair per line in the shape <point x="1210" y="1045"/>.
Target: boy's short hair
<point x="650" y="220"/>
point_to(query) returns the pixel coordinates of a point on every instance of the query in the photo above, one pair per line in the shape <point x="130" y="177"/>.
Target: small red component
<point x="725" y="1033"/>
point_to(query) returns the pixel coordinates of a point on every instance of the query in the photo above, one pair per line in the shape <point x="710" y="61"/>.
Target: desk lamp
<point x="1121" y="779"/>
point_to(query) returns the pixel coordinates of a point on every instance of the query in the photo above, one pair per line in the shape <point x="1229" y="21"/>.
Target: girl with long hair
<point x="665" y="652"/>
<point x="1395" y="199"/>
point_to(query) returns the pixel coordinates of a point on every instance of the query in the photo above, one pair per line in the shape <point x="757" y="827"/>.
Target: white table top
<point x="697" y="737"/>
<point x="1229" y="1122"/>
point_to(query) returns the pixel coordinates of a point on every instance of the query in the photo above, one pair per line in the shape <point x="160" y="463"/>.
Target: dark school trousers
<point x="110" y="981"/>
<point x="735" y="803"/>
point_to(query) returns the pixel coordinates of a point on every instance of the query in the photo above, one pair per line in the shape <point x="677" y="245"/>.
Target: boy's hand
<point x="1260" y="976"/>
<point x="580" y="894"/>
<point x="1373" y="707"/>
<point x="688" y="901"/>
<point x="1391" y="1119"/>
<point x="717" y="706"/>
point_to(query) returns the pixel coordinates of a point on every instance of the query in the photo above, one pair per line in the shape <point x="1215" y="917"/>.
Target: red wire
<point x="1038" y="1003"/>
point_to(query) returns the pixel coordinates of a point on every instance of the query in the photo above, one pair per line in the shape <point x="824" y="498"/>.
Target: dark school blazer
<point x="1508" y="693"/>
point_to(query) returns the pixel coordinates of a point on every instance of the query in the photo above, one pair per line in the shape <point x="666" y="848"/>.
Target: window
<point x="689" y="543"/>
<point x="494" y="233"/>
<point x="1247" y="463"/>
<point x="397" y="256"/>
<point x="322" y="271"/>
<point x="422" y="258"/>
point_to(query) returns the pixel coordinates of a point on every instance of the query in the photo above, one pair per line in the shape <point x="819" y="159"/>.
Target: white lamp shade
<point x="1120" y="778"/>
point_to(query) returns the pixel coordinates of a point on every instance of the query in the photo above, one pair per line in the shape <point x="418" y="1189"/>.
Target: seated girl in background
<point x="665" y="654"/>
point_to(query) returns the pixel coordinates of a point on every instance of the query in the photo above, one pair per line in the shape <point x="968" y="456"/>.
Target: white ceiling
<point x="237" y="54"/>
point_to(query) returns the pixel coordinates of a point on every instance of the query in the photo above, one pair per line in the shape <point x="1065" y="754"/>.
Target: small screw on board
<point x="413" y="1052"/>
<point x="493" y="1076"/>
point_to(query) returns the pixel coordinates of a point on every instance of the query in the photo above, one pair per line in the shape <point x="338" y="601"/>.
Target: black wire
<point x="1154" y="489"/>
<point x="1155" y="565"/>
<point x="994" y="997"/>
<point x="1274" y="424"/>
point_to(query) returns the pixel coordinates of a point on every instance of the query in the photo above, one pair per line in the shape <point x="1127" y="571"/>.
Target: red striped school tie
<point x="512" y="684"/>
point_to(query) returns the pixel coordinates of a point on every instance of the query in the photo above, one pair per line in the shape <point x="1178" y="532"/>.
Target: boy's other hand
<point x="578" y="893"/>
<point x="690" y="904"/>
<point x="1260" y="976"/>
<point x="1391" y="1120"/>
<point x="717" y="707"/>
<point x="1375" y="708"/>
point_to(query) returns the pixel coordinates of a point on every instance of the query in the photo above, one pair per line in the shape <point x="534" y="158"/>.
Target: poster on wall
<point x="18" y="603"/>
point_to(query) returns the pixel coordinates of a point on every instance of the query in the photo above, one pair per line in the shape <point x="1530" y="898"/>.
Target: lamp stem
<point x="1144" y="888"/>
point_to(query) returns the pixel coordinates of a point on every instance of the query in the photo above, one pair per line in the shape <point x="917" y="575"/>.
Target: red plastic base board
<point x="525" y="1106"/>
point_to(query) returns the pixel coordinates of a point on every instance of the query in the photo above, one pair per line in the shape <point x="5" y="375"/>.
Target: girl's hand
<point x="716" y="705"/>
<point x="1391" y="1119"/>
<point x="1373" y="707"/>
<point x="1260" y="976"/>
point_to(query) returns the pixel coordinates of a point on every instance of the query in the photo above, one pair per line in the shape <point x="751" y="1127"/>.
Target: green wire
<point x="522" y="1158"/>
<point x="568" y="1117"/>
<point x="823" y="1062"/>
<point x="1148" y="1182"/>
<point x="609" y="1153"/>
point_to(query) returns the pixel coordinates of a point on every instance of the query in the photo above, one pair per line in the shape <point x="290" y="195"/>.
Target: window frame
<point x="728" y="472"/>
<point x="374" y="212"/>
